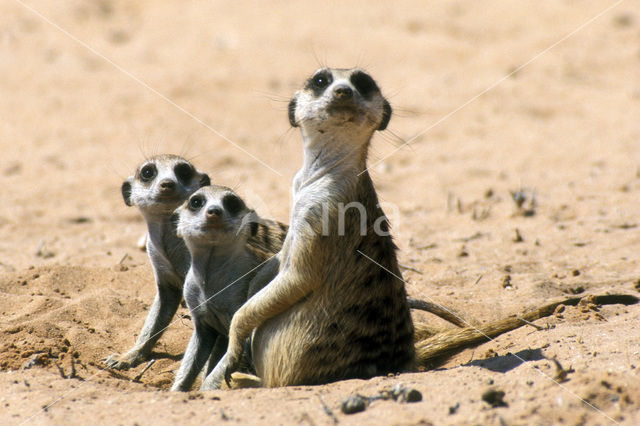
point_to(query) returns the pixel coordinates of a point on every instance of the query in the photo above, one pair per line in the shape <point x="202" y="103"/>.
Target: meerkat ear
<point x="204" y="180"/>
<point x="126" y="191"/>
<point x="292" y="112"/>
<point x="386" y="115"/>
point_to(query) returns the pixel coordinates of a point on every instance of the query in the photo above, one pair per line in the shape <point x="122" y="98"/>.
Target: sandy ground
<point x="89" y="88"/>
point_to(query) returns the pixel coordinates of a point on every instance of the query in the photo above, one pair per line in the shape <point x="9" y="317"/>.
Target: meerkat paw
<point x="227" y="374"/>
<point x="233" y="363"/>
<point x="244" y="381"/>
<point x="215" y="379"/>
<point x="123" y="362"/>
<point x="231" y="360"/>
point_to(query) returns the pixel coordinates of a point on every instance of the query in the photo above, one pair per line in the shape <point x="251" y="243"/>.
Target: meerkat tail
<point x="422" y="331"/>
<point x="446" y="313"/>
<point x="446" y="343"/>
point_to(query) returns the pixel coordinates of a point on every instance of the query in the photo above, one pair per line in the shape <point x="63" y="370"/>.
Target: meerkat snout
<point x="214" y="211"/>
<point x="167" y="186"/>
<point x="343" y="92"/>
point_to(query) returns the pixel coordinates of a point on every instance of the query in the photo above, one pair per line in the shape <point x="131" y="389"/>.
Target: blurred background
<point x="519" y="182"/>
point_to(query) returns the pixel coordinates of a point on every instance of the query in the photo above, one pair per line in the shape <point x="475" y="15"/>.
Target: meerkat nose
<point x="343" y="91"/>
<point x="167" y="185"/>
<point x="214" y="211"/>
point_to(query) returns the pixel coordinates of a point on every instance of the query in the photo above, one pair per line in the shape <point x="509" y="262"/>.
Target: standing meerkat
<point x="216" y="226"/>
<point x="157" y="188"/>
<point x="328" y="312"/>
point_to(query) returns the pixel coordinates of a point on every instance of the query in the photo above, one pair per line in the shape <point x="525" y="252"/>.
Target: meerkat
<point x="158" y="186"/>
<point x="328" y="312"/>
<point x="216" y="225"/>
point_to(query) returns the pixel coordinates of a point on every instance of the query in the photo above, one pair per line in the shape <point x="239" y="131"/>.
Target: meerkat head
<point x="215" y="216"/>
<point x="161" y="184"/>
<point x="343" y="97"/>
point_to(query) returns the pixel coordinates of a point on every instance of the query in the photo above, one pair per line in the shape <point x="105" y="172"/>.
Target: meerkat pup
<point x="157" y="188"/>
<point x="216" y="226"/>
<point x="329" y="312"/>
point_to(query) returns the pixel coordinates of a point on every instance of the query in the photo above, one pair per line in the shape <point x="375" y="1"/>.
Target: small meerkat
<point x="216" y="226"/>
<point x="157" y="188"/>
<point x="328" y="313"/>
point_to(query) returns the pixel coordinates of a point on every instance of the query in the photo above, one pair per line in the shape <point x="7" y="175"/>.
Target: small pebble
<point x="494" y="397"/>
<point x="353" y="404"/>
<point x="410" y="395"/>
<point x="401" y="393"/>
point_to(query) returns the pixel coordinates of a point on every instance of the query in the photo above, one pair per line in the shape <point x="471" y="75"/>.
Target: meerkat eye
<point x="320" y="81"/>
<point x="148" y="172"/>
<point x="195" y="203"/>
<point x="233" y="204"/>
<point x="364" y="84"/>
<point x="184" y="172"/>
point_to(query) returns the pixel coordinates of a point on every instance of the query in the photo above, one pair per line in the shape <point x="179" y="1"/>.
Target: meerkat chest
<point x="209" y="309"/>
<point x="164" y="270"/>
<point x="312" y="203"/>
<point x="216" y="292"/>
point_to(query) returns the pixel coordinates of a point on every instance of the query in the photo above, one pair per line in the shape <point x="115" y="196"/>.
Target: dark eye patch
<point x="320" y="81"/>
<point x="364" y="84"/>
<point x="196" y="202"/>
<point x="148" y="172"/>
<point x="184" y="172"/>
<point x="233" y="204"/>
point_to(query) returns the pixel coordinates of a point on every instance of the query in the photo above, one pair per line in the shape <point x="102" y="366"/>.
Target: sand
<point x="540" y="98"/>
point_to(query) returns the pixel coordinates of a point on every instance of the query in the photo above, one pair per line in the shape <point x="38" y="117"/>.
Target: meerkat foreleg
<point x="164" y="307"/>
<point x="264" y="276"/>
<point x="216" y="355"/>
<point x="284" y="291"/>
<point x="198" y="351"/>
<point x="215" y="378"/>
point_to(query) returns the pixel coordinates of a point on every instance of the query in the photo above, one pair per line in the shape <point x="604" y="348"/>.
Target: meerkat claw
<point x="227" y="375"/>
